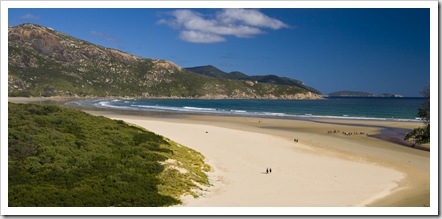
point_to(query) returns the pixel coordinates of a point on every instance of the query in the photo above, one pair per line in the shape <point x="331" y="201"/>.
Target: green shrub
<point x="64" y="157"/>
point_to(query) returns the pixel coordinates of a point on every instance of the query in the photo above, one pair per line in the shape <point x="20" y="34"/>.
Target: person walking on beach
<point x="270" y="170"/>
<point x="267" y="171"/>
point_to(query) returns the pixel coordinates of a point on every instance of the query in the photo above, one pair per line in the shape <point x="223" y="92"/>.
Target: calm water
<point x="335" y="107"/>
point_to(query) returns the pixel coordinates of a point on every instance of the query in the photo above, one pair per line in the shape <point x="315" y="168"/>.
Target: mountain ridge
<point x="45" y="62"/>
<point x="212" y="71"/>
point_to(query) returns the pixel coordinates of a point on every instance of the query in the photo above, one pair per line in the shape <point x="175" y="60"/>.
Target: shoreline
<point x="241" y="182"/>
<point x="410" y="167"/>
<point x="412" y="190"/>
<point x="227" y="112"/>
<point x="72" y="100"/>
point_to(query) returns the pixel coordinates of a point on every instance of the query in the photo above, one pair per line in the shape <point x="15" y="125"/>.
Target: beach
<point x="314" y="162"/>
<point x="310" y="166"/>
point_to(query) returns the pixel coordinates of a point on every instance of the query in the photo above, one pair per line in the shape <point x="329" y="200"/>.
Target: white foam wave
<point x="274" y="114"/>
<point x="199" y="108"/>
<point x="238" y="111"/>
<point x="156" y="107"/>
<point x="107" y="103"/>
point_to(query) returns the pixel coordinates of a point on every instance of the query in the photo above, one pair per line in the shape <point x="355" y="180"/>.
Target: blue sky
<point x="372" y="50"/>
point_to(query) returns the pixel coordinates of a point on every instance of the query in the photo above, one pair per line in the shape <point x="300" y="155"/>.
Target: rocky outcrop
<point x="45" y="62"/>
<point x="61" y="47"/>
<point x="300" y="96"/>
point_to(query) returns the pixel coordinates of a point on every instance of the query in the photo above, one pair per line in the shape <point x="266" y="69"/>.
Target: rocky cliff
<point x="45" y="62"/>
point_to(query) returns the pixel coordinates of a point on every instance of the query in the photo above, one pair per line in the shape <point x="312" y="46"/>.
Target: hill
<point x="212" y="71"/>
<point x="60" y="157"/>
<point x="45" y="62"/>
<point x="360" y="94"/>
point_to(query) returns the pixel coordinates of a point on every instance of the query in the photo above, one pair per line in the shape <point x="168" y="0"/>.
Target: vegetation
<point x="421" y="135"/>
<point x="63" y="157"/>
<point x="214" y="72"/>
<point x="44" y="62"/>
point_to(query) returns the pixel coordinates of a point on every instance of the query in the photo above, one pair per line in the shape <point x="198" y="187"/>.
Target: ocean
<point x="364" y="108"/>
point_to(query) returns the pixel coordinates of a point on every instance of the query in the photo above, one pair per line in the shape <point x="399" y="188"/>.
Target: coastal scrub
<point x="61" y="157"/>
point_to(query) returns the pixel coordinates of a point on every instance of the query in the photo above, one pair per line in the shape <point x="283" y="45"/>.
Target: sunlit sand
<point x="319" y="170"/>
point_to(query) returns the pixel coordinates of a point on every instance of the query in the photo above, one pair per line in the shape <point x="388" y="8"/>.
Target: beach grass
<point x="59" y="157"/>
<point x="185" y="172"/>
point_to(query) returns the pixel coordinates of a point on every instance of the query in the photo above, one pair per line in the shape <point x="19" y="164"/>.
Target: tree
<point x="421" y="135"/>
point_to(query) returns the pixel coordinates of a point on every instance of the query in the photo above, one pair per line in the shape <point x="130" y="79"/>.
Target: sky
<point x="385" y="50"/>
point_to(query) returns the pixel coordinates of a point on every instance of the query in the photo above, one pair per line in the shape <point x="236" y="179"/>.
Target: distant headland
<point x="347" y="93"/>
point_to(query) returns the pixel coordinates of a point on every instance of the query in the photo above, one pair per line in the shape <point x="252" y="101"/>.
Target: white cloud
<point x="200" y="37"/>
<point x="30" y="17"/>
<point x="196" y="28"/>
<point x="251" y="17"/>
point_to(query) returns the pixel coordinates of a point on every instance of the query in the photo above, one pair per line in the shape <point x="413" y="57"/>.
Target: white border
<point x="434" y="106"/>
<point x="219" y="4"/>
<point x="433" y="210"/>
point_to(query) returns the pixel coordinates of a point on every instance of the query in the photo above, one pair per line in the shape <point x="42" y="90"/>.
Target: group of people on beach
<point x="268" y="170"/>
<point x="346" y="133"/>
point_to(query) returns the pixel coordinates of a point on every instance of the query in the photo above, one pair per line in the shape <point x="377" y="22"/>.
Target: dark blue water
<point x="334" y="107"/>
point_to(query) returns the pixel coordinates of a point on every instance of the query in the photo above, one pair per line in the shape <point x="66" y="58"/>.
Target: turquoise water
<point x="376" y="108"/>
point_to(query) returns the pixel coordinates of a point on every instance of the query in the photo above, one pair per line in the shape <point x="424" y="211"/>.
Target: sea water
<point x="367" y="108"/>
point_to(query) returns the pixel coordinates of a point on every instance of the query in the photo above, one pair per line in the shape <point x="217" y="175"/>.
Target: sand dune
<point x="301" y="176"/>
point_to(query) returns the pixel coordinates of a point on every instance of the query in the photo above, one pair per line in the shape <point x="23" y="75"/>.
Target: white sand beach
<point x="306" y="173"/>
